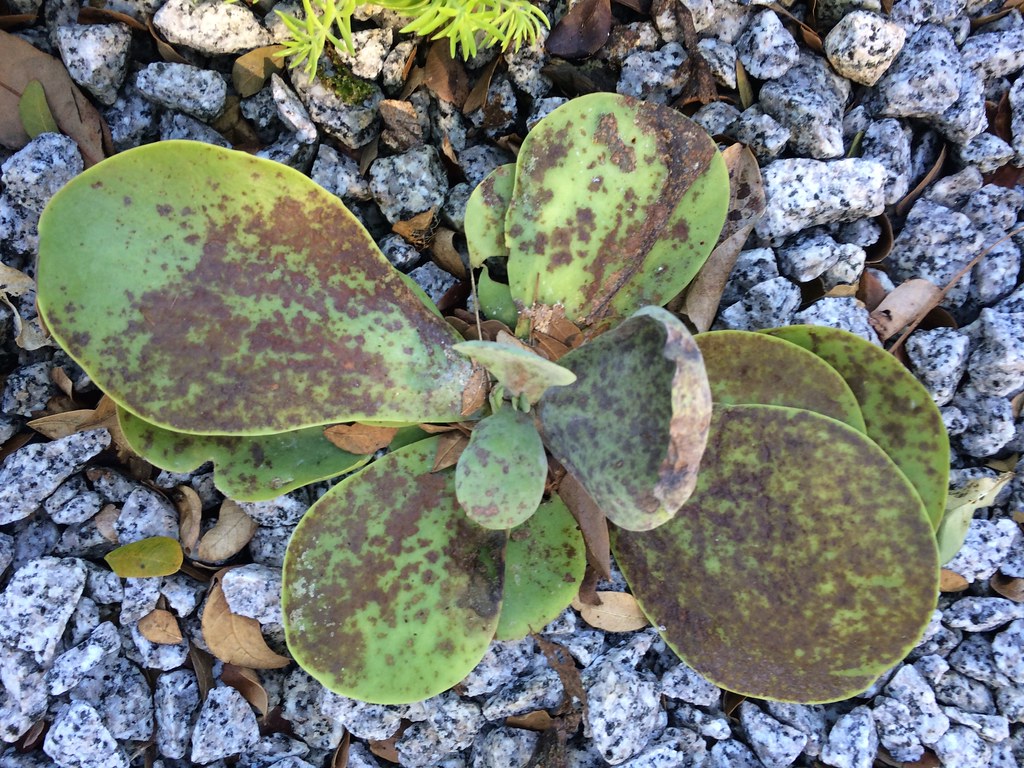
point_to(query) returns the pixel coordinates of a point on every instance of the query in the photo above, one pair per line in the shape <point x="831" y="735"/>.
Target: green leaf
<point x="960" y="508"/>
<point x="746" y="368"/>
<point x="247" y="468"/>
<point x="390" y="593"/>
<point x="155" y="556"/>
<point x="899" y="414"/>
<point x="35" y="114"/>
<point x="544" y="564"/>
<point x="632" y="428"/>
<point x="520" y="371"/>
<point x="212" y="292"/>
<point x="500" y="476"/>
<point x="803" y="566"/>
<point x="496" y="299"/>
<point x="485" y="216"/>
<point x="617" y="203"/>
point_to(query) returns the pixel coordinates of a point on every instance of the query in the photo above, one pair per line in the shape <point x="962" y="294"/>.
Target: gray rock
<point x="37" y="604"/>
<point x="805" y="193"/>
<point x="1010" y="702"/>
<point x="1017" y="119"/>
<point x="434" y="281"/>
<point x="28" y="389"/>
<point x="996" y="365"/>
<point x="675" y="748"/>
<point x="767" y="305"/>
<point x="809" y="100"/>
<point x="766" y="49"/>
<point x="924" y="81"/>
<point x="408" y="184"/>
<point x="281" y="750"/>
<point x="762" y="133"/>
<point x="120" y="693"/>
<point x="995" y="54"/>
<point x="989" y="422"/>
<point x="711" y="726"/>
<point x="964" y="693"/>
<point x="843" y="312"/>
<point x="995" y="276"/>
<point x="226" y="726"/>
<point x="987" y="545"/>
<point x="268" y="545"/>
<point x="182" y="592"/>
<point x="961" y="746"/>
<point x="503" y="663"/>
<point x="979" y="614"/>
<point x="853" y="741"/>
<point x="1008" y="650"/>
<point x="808" y="719"/>
<point x="863" y="45"/>
<point x="34" y="174"/>
<point x="624" y="711"/>
<point x="338" y="174"/>
<point x="374" y="722"/>
<point x="954" y="191"/>
<point x="777" y="745"/>
<point x="732" y="754"/>
<point x="986" y="152"/>
<point x="909" y="688"/>
<point x="686" y="684"/>
<point x="146" y="513"/>
<point x="896" y="729"/>
<point x="200" y="93"/>
<point x="504" y="748"/>
<point x="159" y="656"/>
<point x="96" y="57"/>
<point x="140" y="598"/>
<point x="721" y="59"/>
<point x="752" y="267"/>
<point x="966" y="118"/>
<point x="717" y="118"/>
<point x="212" y="28"/>
<point x="178" y="126"/>
<point x="446" y="724"/>
<point x="24" y="695"/>
<point x="292" y="111"/>
<point x="480" y="159"/>
<point x="502" y="109"/>
<point x="69" y="667"/>
<point x="78" y="739"/>
<point x="72" y="502"/>
<point x="254" y="590"/>
<point x="657" y="76"/>
<point x="975" y="658"/>
<point x="131" y="119"/>
<point x="807" y="255"/>
<point x="992" y="728"/>
<point x="353" y="122"/>
<point x="302" y="707"/>
<point x="541" y="690"/>
<point x="176" y="701"/>
<point x="371" y="50"/>
<point x="938" y="358"/>
<point x="888" y="142"/>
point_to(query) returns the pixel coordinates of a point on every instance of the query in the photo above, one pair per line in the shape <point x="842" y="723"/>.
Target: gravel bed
<point x="84" y="687"/>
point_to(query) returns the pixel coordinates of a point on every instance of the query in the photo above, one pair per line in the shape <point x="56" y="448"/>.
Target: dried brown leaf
<point x="21" y="63"/>
<point x="419" y="230"/>
<point x="538" y="720"/>
<point x="478" y="95"/>
<point x="474" y="396"/>
<point x="202" y="665"/>
<point x="247" y="683"/>
<point x="907" y="301"/>
<point x="1010" y="587"/>
<point x="89" y="15"/>
<point x="870" y="291"/>
<point x="104" y="521"/>
<point x="446" y="255"/>
<point x="618" y="612"/>
<point x="592" y="522"/>
<point x="165" y="49"/>
<point x="548" y="346"/>
<point x="950" y="581"/>
<point x="160" y="627"/>
<point x="234" y="529"/>
<point x="582" y="31"/>
<point x="743" y="86"/>
<point x="190" y="516"/>
<point x="449" y="447"/>
<point x="235" y="639"/>
<point x="61" y="425"/>
<point x="386" y="749"/>
<point x="560" y="660"/>
<point x="444" y="76"/>
<point x="360" y="439"/>
<point x="252" y="70"/>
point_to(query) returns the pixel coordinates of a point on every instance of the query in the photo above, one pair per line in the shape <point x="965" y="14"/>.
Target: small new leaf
<point x="155" y="556"/>
<point x="519" y="370"/>
<point x="34" y="111"/>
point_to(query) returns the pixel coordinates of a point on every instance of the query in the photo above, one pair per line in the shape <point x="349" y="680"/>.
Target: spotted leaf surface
<point x="499" y="478"/>
<point x="899" y="414"/>
<point x="520" y="371"/>
<point x="210" y="291"/>
<point x="253" y="468"/>
<point x="616" y="205"/>
<point x="544" y="564"/>
<point x="746" y="368"/>
<point x="632" y="428"/>
<point x="485" y="215"/>
<point x="802" y="567"/>
<point x="390" y="593"/>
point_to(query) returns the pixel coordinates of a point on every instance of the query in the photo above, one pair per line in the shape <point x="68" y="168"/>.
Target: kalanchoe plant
<point x="232" y="308"/>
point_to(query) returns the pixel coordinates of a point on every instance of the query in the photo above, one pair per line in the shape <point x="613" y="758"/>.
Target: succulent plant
<point x="233" y="309"/>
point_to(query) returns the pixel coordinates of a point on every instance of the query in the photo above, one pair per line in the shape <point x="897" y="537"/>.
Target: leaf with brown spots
<point x="391" y="594"/>
<point x="245" y="468"/>
<point x="485" y="216"/>
<point x="182" y="257"/>
<point x="520" y="370"/>
<point x="775" y="581"/>
<point x="641" y="197"/>
<point x="633" y="438"/>
<point x="235" y="639"/>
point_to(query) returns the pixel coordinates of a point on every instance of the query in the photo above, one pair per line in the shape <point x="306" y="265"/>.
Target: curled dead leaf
<point x="449" y="448"/>
<point x="160" y="627"/>
<point x="951" y="581"/>
<point x="1010" y="587"/>
<point x="419" y="230"/>
<point x="226" y="539"/>
<point x="538" y="720"/>
<point x="446" y="255"/>
<point x="247" y="683"/>
<point x="235" y="639"/>
<point x="360" y="439"/>
<point x="618" y="612"/>
<point x="906" y="302"/>
<point x="190" y="516"/>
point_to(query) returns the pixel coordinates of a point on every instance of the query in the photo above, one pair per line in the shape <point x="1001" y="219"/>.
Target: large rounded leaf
<point x="253" y="468"/>
<point x="616" y="205"/>
<point x="485" y="215"/>
<point x="390" y="593"/>
<point x="747" y="368"/>
<point x="500" y="476"/>
<point x="544" y="564"/>
<point x="213" y="292"/>
<point x="802" y="567"/>
<point x="899" y="414"/>
<point x="632" y="428"/>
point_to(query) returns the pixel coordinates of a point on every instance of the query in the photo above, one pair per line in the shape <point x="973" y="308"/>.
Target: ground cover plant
<point x="782" y="539"/>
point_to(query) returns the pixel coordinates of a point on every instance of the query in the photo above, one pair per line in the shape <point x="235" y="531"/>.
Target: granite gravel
<point x="843" y="130"/>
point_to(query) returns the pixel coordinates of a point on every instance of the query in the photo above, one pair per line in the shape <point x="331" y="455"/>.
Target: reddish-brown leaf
<point x="582" y="31"/>
<point x="360" y="439"/>
<point x="445" y="77"/>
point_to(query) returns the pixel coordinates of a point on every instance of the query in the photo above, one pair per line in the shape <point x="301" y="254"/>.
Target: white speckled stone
<point x="408" y="184"/>
<point x="966" y="118"/>
<point x="1008" y="650"/>
<point x="254" y="590"/>
<point x="807" y="255"/>
<point x="70" y="666"/>
<point x="852" y="742"/>
<point x="763" y="134"/>
<point x="37" y="603"/>
<point x="909" y="688"/>
<point x="938" y="358"/>
<point x="176" y="701"/>
<point x="226" y="726"/>
<point x="980" y="614"/>
<point x="986" y="152"/>
<point x="767" y="305"/>
<point x="146" y="513"/>
<point x="721" y="59"/>
<point x="371" y="50"/>
<point x="925" y="80"/>
<point x="33" y="174"/>
<point x="995" y="54"/>
<point x="888" y="142"/>
<point x="990" y="423"/>
<point x="374" y="722"/>
<point x="624" y="710"/>
<point x="805" y="193"/>
<point x="766" y="49"/>
<point x="211" y="27"/>
<point x="292" y="111"/>
<point x="992" y="728"/>
<point x="987" y="545"/>
<point x="445" y="724"/>
<point x="975" y="658"/>
<point x="808" y="719"/>
<point x="504" y="748"/>
<point x="79" y="739"/>
<point x="541" y="690"/>
<point x="434" y="281"/>
<point x="120" y="693"/>
<point x="302" y="706"/>
<point x="712" y="726"/>
<point x="732" y="754"/>
<point x="964" y="693"/>
<point x="777" y="745"/>
<point x="963" y="748"/>
<point x="863" y="45"/>
<point x="200" y="93"/>
<point x="96" y="57"/>
<point x="675" y="748"/>
<point x="809" y="99"/>
<point x="657" y="76"/>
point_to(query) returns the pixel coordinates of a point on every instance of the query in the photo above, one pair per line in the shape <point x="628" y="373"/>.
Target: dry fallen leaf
<point x="29" y="334"/>
<point x="582" y="31"/>
<point x="907" y="301"/>
<point x="445" y="77"/>
<point x="247" y="683"/>
<point x="386" y="749"/>
<point x="474" y="396"/>
<point x="903" y="206"/>
<point x="950" y="581"/>
<point x="446" y="255"/>
<point x="190" y="516"/>
<point x="449" y="447"/>
<point x="1010" y="587"/>
<point x="478" y="95"/>
<point x="202" y="665"/>
<point x="592" y="522"/>
<point x="235" y="639"/>
<point x="340" y="757"/>
<point x="360" y="439"/>
<point x="538" y="720"/>
<point x="20" y="63"/>
<point x="226" y="539"/>
<point x="618" y="612"/>
<point x="105" y="520"/>
<point x="160" y="627"/>
<point x="251" y="71"/>
<point x="419" y="230"/>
